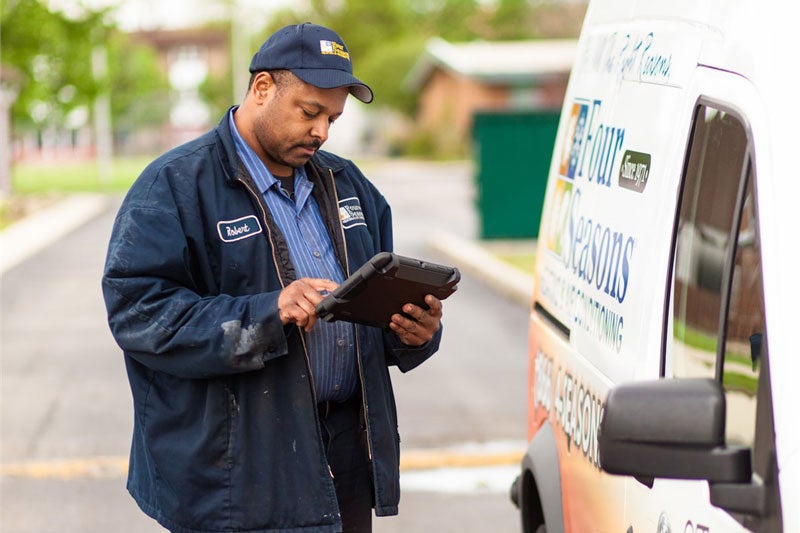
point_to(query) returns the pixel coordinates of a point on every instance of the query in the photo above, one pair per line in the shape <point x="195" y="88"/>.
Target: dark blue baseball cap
<point x="315" y="54"/>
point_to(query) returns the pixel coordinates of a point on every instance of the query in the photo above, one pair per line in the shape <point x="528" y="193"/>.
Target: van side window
<point x="708" y="204"/>
<point x="744" y="335"/>
<point x="719" y="328"/>
<point x="717" y="297"/>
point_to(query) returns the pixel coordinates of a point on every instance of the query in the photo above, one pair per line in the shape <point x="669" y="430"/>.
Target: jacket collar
<point x="323" y="160"/>
<point x="229" y="159"/>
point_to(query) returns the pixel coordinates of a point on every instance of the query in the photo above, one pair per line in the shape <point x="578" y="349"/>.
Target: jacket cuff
<point x="275" y="343"/>
<point x="409" y="357"/>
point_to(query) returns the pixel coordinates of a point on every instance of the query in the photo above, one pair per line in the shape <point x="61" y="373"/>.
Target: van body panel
<point x="602" y="304"/>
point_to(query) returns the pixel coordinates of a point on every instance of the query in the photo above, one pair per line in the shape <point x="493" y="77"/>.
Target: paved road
<point x="65" y="417"/>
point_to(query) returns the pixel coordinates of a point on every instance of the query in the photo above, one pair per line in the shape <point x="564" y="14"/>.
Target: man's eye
<point x="309" y="114"/>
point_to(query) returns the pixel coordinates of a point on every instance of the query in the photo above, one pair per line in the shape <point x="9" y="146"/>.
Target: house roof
<point x="495" y="62"/>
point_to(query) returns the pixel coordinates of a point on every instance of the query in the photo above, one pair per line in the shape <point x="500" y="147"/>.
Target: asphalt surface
<point x="55" y="378"/>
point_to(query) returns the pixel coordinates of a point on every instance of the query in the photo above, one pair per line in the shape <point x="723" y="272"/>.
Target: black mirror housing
<point x="670" y="428"/>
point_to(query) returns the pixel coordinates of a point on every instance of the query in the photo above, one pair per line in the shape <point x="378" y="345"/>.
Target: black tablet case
<point x="379" y="289"/>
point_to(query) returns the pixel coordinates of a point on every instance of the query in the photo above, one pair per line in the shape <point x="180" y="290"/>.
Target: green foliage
<point x="384" y="69"/>
<point x="386" y="38"/>
<point x="140" y="90"/>
<point x="422" y="144"/>
<point x="509" y="20"/>
<point x="51" y="55"/>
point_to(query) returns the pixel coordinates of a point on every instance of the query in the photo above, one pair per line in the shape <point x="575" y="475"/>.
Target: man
<point x="250" y="414"/>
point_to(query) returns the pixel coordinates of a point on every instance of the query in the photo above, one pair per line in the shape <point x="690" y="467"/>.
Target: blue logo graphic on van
<point x="590" y="150"/>
<point x="238" y="229"/>
<point x="576" y="134"/>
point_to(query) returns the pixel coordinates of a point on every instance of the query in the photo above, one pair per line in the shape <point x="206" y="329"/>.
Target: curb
<point x="30" y="235"/>
<point x="116" y="466"/>
<point x="414" y="460"/>
<point x="472" y="258"/>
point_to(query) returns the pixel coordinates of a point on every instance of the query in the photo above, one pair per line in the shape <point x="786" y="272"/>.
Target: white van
<point x="664" y="390"/>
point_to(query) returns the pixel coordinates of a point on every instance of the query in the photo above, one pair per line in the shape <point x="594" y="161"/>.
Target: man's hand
<point x="422" y="324"/>
<point x="297" y="301"/>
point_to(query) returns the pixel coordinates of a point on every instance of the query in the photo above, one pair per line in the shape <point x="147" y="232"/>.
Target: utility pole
<point x="239" y="49"/>
<point x="8" y="94"/>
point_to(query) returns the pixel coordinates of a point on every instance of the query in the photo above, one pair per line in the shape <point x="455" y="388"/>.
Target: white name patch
<point x="241" y="228"/>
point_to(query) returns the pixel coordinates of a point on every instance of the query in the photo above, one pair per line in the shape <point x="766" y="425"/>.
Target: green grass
<point x="83" y="176"/>
<point x="695" y="338"/>
<point x="38" y="184"/>
<point x="522" y="261"/>
<point x="708" y="343"/>
<point x="731" y="378"/>
<point x="740" y="382"/>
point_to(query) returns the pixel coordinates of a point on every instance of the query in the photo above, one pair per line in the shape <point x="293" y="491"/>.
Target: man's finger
<point x="434" y="305"/>
<point x="320" y="285"/>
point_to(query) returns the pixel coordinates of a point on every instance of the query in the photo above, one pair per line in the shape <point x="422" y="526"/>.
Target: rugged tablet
<point x="380" y="288"/>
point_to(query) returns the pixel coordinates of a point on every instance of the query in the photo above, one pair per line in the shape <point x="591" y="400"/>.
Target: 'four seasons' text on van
<point x="597" y="255"/>
<point x="570" y="405"/>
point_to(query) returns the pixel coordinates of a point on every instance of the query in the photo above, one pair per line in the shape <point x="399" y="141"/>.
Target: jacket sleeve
<point x="157" y="317"/>
<point x="409" y="357"/>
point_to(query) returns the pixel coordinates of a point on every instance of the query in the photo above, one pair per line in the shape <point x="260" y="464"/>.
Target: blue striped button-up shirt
<point x="330" y="344"/>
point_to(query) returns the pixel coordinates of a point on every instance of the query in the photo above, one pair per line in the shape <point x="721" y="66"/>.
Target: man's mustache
<point x="313" y="144"/>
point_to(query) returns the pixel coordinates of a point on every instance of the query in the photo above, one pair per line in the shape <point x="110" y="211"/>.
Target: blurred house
<point x="456" y="80"/>
<point x="188" y="57"/>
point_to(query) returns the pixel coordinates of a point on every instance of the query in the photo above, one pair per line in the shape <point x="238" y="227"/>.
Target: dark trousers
<point x="345" y="437"/>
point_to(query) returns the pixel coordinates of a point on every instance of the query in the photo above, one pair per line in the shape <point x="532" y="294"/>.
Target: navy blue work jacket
<point x="226" y="433"/>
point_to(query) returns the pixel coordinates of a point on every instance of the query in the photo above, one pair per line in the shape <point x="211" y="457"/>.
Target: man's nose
<point x="320" y="129"/>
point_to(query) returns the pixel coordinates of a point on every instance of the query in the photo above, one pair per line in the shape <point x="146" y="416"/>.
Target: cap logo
<point x="333" y="48"/>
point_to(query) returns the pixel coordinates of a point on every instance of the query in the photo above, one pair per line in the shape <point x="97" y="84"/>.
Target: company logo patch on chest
<point x="238" y="229"/>
<point x="350" y="213"/>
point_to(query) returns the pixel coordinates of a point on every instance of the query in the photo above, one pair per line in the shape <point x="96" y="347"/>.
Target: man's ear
<point x="262" y="83"/>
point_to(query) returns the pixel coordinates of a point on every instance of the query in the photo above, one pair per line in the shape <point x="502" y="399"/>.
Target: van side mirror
<point x="675" y="429"/>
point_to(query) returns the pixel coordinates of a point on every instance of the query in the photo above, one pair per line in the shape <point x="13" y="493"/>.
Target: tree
<point x="388" y="37"/>
<point x="53" y="56"/>
<point x="140" y="91"/>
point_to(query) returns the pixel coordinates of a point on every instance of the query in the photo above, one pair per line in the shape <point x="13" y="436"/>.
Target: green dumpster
<point x="512" y="150"/>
